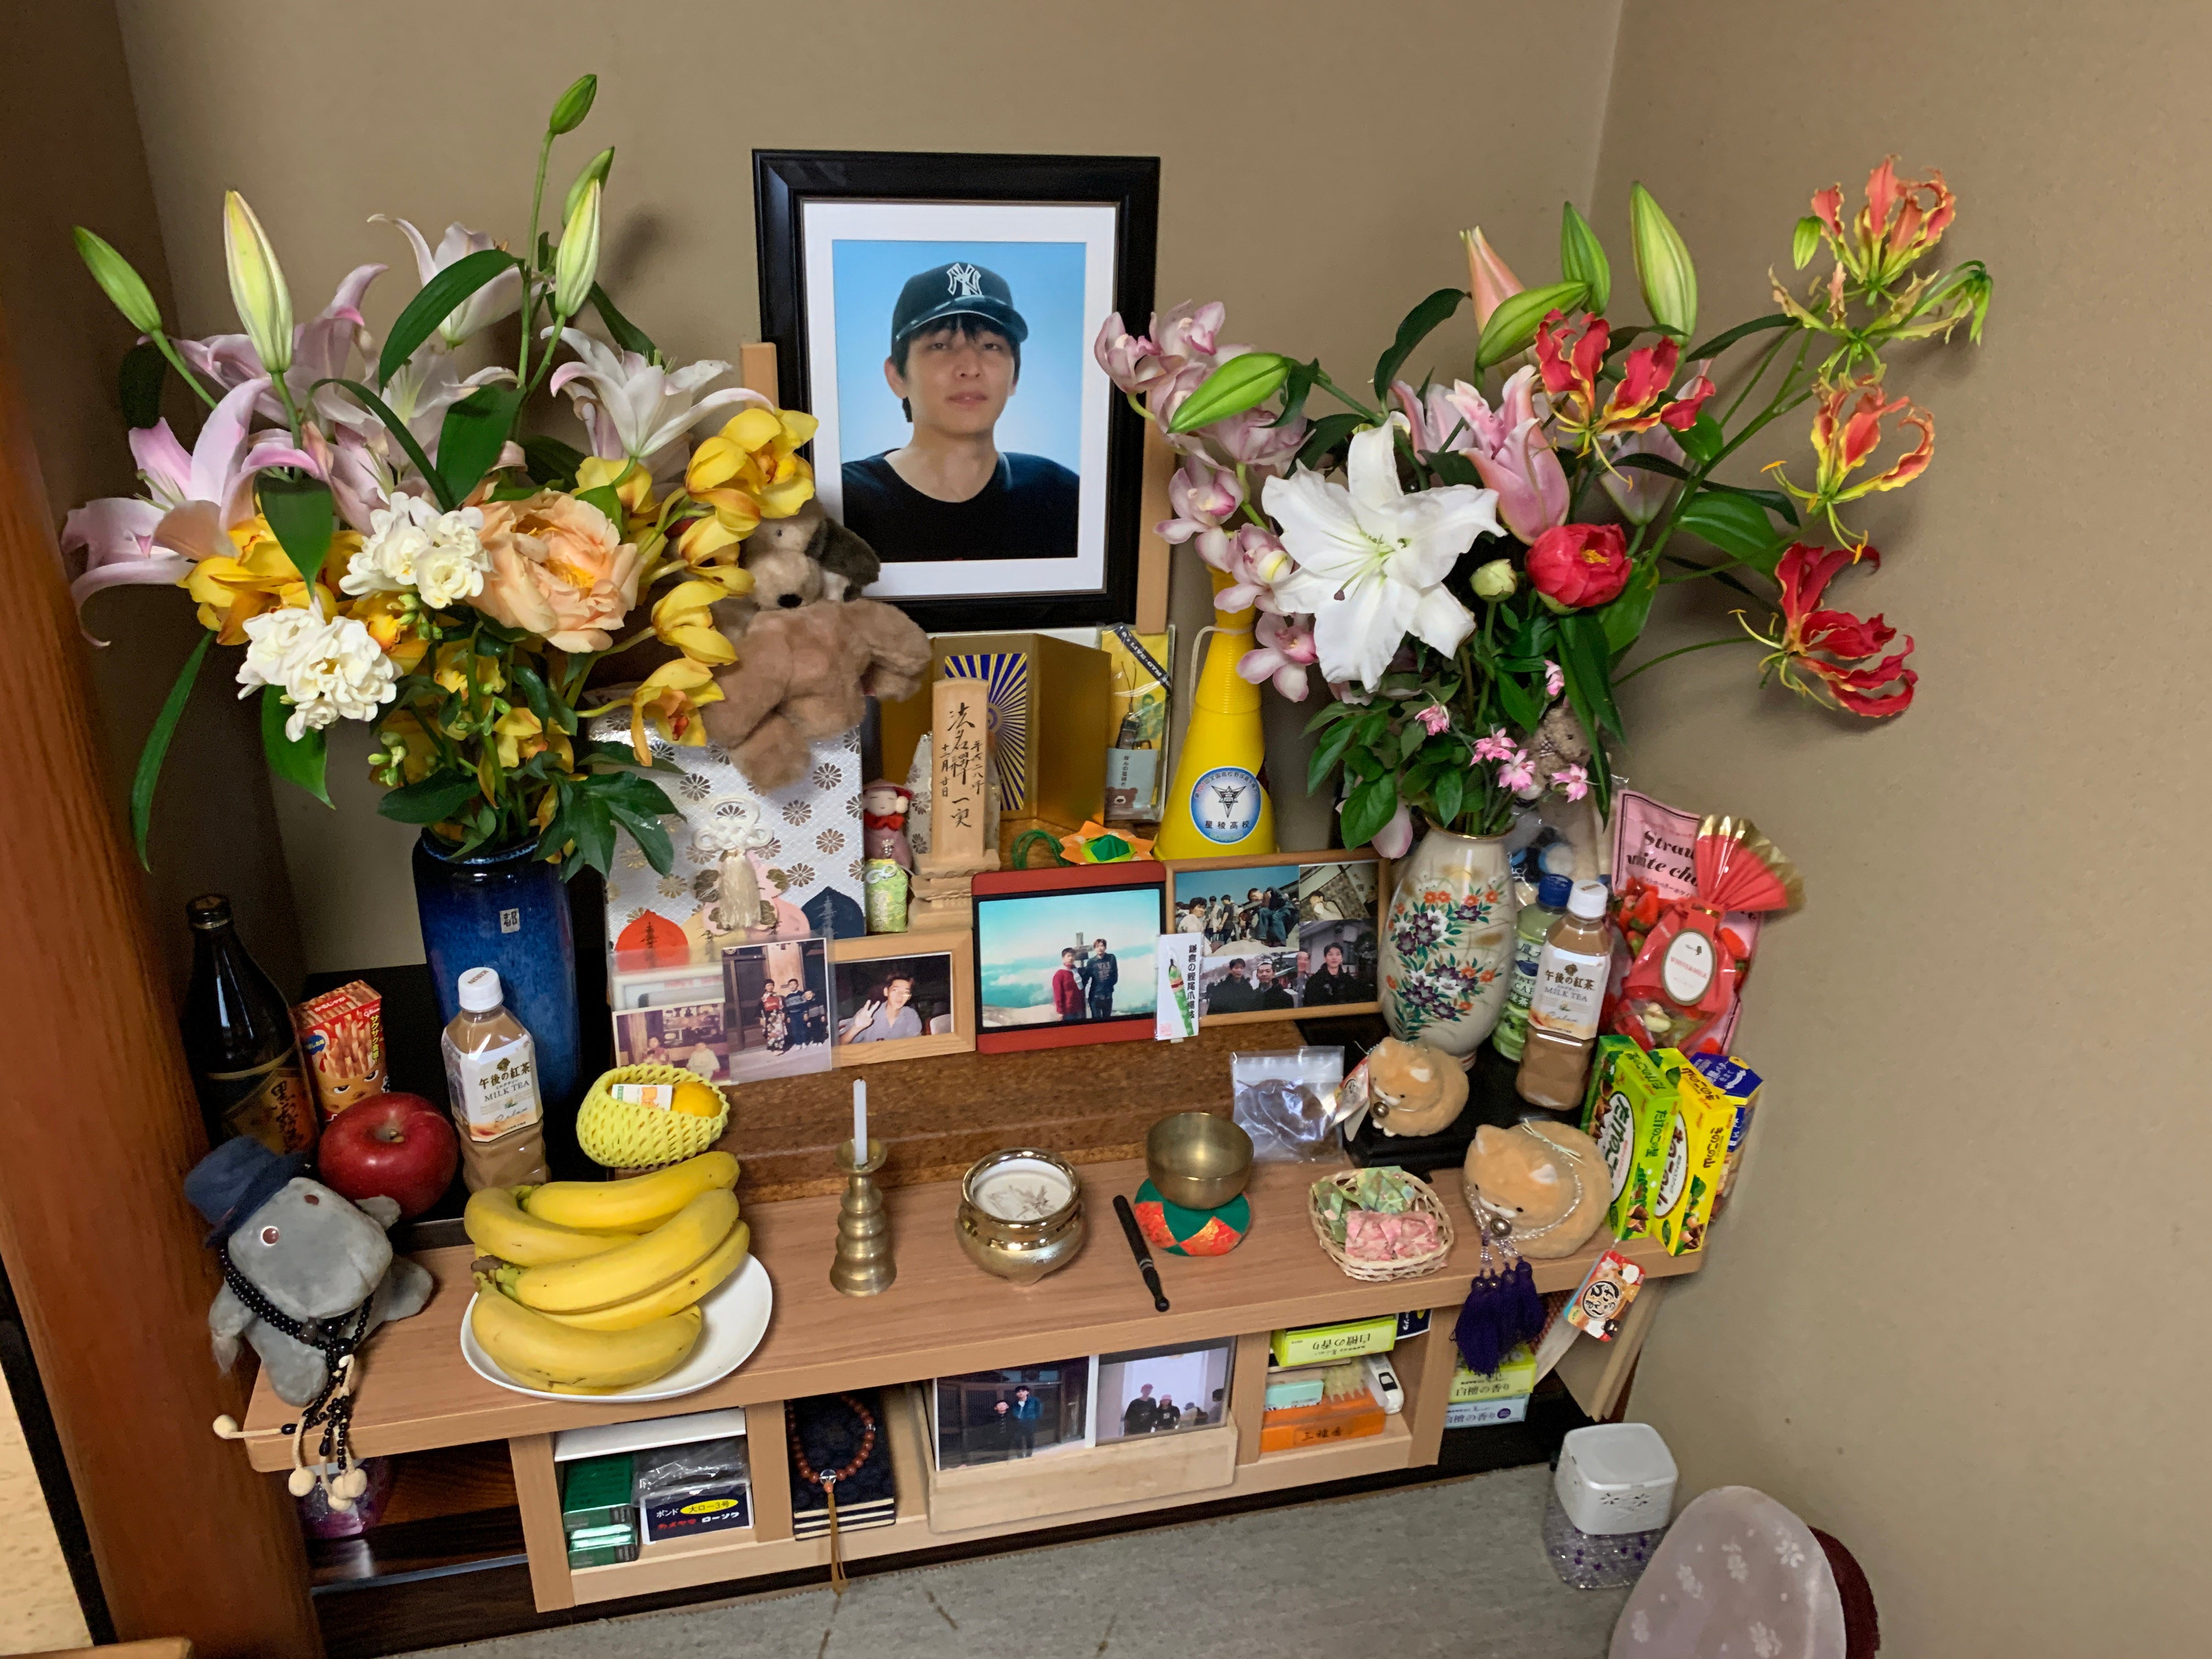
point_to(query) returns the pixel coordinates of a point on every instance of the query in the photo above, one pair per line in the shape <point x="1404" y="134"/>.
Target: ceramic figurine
<point x="883" y="808"/>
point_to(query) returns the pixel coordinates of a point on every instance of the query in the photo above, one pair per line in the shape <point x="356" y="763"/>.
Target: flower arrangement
<point x="1469" y="564"/>
<point x="388" y="545"/>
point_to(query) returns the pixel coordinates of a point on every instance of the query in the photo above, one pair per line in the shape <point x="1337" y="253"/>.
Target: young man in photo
<point x="1027" y="1415"/>
<point x="1067" y="999"/>
<point x="887" y="1016"/>
<point x="1101" y="972"/>
<point x="1233" y="995"/>
<point x="1142" y="1414"/>
<point x="1268" y="991"/>
<point x="948" y="492"/>
<point x="1333" y="982"/>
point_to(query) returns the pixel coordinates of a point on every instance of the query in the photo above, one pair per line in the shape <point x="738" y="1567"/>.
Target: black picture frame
<point x="784" y="181"/>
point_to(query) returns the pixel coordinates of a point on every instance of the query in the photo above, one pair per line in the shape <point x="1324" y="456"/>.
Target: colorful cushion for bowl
<point x="1179" y="1231"/>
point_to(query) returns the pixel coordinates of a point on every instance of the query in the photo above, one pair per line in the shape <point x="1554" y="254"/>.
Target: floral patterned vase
<point x="1447" y="941"/>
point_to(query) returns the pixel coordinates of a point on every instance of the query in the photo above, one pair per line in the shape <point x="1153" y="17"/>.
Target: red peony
<point x="1580" y="565"/>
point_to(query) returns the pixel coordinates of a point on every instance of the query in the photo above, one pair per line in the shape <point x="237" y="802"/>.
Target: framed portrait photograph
<point x="935" y="314"/>
<point x="1065" y="955"/>
<point x="672" y="1017"/>
<point x="1163" y="1390"/>
<point x="902" y="996"/>
<point x="1022" y="1410"/>
<point x="1283" y="933"/>
<point x="778" y="997"/>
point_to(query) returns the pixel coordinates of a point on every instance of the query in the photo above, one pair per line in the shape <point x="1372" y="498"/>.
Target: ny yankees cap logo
<point x="963" y="281"/>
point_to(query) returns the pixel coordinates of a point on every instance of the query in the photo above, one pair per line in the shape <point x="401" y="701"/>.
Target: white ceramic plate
<point x="736" y="1313"/>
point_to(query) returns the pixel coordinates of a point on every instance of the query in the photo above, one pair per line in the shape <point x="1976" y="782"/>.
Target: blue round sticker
<point x="1225" y="803"/>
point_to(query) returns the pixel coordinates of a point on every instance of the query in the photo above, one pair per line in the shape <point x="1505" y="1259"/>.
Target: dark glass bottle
<point x="238" y="1040"/>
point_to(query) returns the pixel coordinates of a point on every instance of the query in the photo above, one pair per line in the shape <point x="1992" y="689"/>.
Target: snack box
<point x="342" y="1037"/>
<point x="1322" y="1345"/>
<point x="1516" y="1375"/>
<point x="1740" y="1084"/>
<point x="1697" y="1157"/>
<point x="1354" y="1417"/>
<point x="595" y="1492"/>
<point x="712" y="1506"/>
<point x="1632" y="1109"/>
<point x="1484" y="1414"/>
<point x="602" y="1546"/>
<point x="1287" y="1389"/>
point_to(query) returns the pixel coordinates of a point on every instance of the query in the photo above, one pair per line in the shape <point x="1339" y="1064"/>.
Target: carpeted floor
<point x="1453" y="1569"/>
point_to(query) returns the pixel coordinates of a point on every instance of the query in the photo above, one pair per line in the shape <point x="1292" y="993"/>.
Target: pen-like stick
<point x="1137" y="1249"/>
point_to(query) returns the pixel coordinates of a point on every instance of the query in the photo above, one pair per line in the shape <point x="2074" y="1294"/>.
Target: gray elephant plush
<point x="297" y="1255"/>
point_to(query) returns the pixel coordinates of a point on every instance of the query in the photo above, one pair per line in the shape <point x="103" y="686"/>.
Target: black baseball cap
<point x="959" y="289"/>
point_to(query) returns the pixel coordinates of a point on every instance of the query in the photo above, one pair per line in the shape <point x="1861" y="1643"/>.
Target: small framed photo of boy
<point x="1286" y="933"/>
<point x="903" y="996"/>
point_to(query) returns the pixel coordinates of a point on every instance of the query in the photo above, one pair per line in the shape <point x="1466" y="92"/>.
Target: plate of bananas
<point x="643" y="1289"/>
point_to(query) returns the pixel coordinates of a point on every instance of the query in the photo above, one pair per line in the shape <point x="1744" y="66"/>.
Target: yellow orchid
<point x="390" y="619"/>
<point x="669" y="703"/>
<point x="452" y="670"/>
<point x="684" y="619"/>
<point x="518" y="734"/>
<point x="231" y="588"/>
<point x="755" y="454"/>
<point x="407" y="747"/>
<point x="633" y="487"/>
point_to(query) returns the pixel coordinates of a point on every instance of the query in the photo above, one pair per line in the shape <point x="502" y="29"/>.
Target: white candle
<point x="859" y="1122"/>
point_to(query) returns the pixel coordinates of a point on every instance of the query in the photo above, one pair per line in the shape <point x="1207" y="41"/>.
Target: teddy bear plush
<point x="797" y="560"/>
<point x="1544" y="1178"/>
<point x="1414" y="1089"/>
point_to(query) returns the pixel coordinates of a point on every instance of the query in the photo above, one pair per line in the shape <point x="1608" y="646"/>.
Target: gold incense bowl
<point x="1197" y="1160"/>
<point x="1021" y="1214"/>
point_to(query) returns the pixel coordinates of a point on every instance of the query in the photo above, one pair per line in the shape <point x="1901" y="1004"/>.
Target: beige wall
<point x="1314" y="175"/>
<point x="1936" y="1325"/>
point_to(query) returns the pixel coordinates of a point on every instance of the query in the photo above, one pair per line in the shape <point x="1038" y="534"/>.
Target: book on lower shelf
<point x="842" y="1434"/>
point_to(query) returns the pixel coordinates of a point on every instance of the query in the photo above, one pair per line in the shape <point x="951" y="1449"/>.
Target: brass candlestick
<point x="864" y="1265"/>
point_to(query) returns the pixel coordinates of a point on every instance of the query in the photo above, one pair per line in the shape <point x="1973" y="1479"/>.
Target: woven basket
<point x="1426" y="1202"/>
<point x="621" y="1136"/>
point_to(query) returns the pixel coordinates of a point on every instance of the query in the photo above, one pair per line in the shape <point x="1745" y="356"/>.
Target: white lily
<point x="634" y="409"/>
<point x="1372" y="559"/>
<point x="494" y="300"/>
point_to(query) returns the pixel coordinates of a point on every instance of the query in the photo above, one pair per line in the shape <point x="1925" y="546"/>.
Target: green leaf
<point x="1333" y="711"/>
<point x="1651" y="463"/>
<point x="301" y="512"/>
<point x="550" y="461"/>
<point x="156" y="748"/>
<point x="1514" y="324"/>
<point x="1372" y="805"/>
<point x="1582" y="256"/>
<point x="606" y="499"/>
<point x="433" y="800"/>
<point x="1326" y="755"/>
<point x="1240" y="384"/>
<point x="1420" y="322"/>
<point x="1772" y="500"/>
<point x="433" y="303"/>
<point x="592" y="828"/>
<point x="1523" y="704"/>
<point x="1704" y="441"/>
<point x="652" y="840"/>
<point x="1587" y="662"/>
<point x="1303" y="378"/>
<point x="474" y="431"/>
<point x="447" y="501"/>
<point x="1328" y="434"/>
<point x="1732" y="522"/>
<point x="1454" y="468"/>
<point x="1623" y="620"/>
<point x="532" y="686"/>
<point x="1727" y="337"/>
<point x="1449" y="793"/>
<point x="622" y="332"/>
<point x="633" y="792"/>
<point x="299" y="763"/>
<point x="139" y="381"/>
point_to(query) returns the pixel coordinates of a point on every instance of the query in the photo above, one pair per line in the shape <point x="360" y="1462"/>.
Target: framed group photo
<point x="1021" y="1411"/>
<point x="935" y="314"/>
<point x="901" y="996"/>
<point x="1283" y="932"/>
<point x="673" y="1017"/>
<point x="778" y="1018"/>
<point x="1163" y="1390"/>
<point x="1065" y="955"/>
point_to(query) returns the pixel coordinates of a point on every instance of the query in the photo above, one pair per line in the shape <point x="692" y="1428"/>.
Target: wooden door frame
<point x="97" y="1126"/>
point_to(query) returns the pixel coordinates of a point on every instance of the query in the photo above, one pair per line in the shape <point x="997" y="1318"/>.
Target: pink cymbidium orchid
<point x="1511" y="451"/>
<point x="1132" y="362"/>
<point x="1285" y="655"/>
<point x="634" y="409"/>
<point x="495" y="300"/>
<point x="194" y="498"/>
<point x="1252" y="559"/>
<point x="1204" y="497"/>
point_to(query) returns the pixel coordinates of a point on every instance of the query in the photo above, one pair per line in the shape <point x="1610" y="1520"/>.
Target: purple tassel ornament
<point x="1502" y="1309"/>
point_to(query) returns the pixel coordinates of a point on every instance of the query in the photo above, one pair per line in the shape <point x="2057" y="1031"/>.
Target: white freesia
<point x="634" y="409"/>
<point x="328" y="671"/>
<point x="494" y="300"/>
<point x="1372" y="559"/>
<point x="411" y="544"/>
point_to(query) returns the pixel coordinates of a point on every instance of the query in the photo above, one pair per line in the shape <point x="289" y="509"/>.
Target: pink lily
<point x="1132" y="362"/>
<point x="1488" y="279"/>
<point x="321" y="349"/>
<point x="1204" y="497"/>
<point x="494" y="300"/>
<point x="197" y="495"/>
<point x="632" y="408"/>
<point x="1285" y="653"/>
<point x="1511" y="451"/>
<point x="1395" y="839"/>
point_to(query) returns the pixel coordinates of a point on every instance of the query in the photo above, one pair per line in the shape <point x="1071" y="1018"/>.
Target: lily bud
<point x="576" y="266"/>
<point x="1662" y="265"/>
<point x="118" y="281"/>
<point x="1518" y="316"/>
<point x="1805" y="241"/>
<point x="1582" y="257"/>
<point x="1495" y="580"/>
<point x="256" y="284"/>
<point x="1243" y="382"/>
<point x="572" y="105"/>
<point x="595" y="171"/>
<point x="1488" y="280"/>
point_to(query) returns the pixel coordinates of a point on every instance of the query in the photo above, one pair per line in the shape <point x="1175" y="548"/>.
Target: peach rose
<point x="559" y="568"/>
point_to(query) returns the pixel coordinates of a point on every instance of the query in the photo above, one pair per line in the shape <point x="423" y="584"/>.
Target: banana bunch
<point x="598" y="1282"/>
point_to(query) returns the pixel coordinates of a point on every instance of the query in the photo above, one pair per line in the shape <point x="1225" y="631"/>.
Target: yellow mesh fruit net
<point x="623" y="1136"/>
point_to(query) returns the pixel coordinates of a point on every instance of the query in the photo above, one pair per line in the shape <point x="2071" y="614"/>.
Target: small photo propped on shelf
<point x="779" y="1019"/>
<point x="1020" y="1411"/>
<point x="672" y="1017"/>
<point x="1162" y="1390"/>
<point x="903" y="996"/>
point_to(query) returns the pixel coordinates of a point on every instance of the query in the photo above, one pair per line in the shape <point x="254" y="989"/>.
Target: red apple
<point x="391" y="1145"/>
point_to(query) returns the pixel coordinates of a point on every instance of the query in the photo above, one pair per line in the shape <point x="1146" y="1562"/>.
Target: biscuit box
<point x="1516" y="1375"/>
<point x="1696" y="1156"/>
<point x="1321" y="1345"/>
<point x="1740" y="1084"/>
<point x="1631" y="1114"/>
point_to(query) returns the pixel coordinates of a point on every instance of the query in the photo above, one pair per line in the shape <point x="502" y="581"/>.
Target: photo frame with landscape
<point x="1287" y="935"/>
<point x="1002" y="268"/>
<point x="1065" y="955"/>
<point x="885" y="982"/>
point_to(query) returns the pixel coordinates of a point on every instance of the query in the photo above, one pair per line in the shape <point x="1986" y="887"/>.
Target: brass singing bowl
<point x="1197" y="1160"/>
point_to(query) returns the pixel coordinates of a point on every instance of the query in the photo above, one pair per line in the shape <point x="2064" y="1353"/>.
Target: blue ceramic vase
<point x="507" y="911"/>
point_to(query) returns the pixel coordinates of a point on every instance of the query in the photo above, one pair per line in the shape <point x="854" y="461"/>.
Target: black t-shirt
<point x="1026" y="511"/>
<point x="1323" y="987"/>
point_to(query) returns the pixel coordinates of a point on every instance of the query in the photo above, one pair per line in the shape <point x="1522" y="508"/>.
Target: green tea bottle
<point x="1535" y="921"/>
